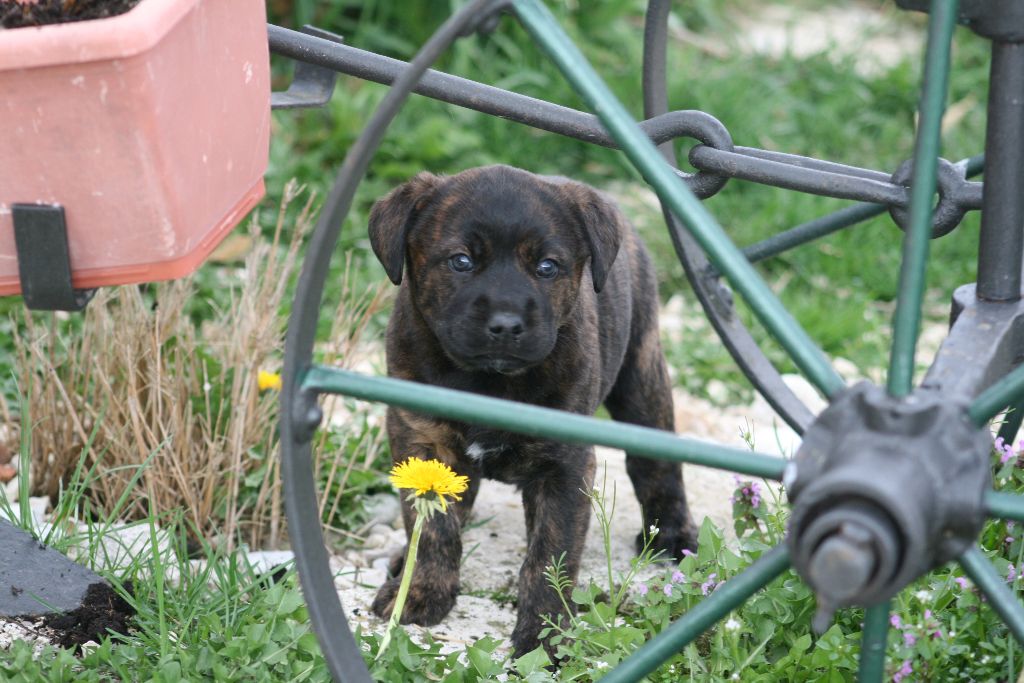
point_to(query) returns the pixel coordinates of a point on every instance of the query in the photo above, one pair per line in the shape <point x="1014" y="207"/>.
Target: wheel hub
<point x="883" y="490"/>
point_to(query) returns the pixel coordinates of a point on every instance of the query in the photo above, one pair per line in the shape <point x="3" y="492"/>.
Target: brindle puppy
<point x="533" y="289"/>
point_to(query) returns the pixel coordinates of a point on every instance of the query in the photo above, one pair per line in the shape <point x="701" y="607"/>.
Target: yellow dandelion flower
<point x="425" y="476"/>
<point x="268" y="380"/>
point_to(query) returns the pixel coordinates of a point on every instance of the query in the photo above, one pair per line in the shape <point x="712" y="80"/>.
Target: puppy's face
<point x="495" y="259"/>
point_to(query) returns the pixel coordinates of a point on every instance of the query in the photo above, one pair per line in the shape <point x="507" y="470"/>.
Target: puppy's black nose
<point x="505" y="326"/>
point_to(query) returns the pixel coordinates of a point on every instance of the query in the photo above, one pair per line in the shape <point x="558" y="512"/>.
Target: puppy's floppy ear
<point x="602" y="227"/>
<point x="391" y="217"/>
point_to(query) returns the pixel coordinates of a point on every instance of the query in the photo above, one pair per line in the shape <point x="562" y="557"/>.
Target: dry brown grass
<point x="142" y="383"/>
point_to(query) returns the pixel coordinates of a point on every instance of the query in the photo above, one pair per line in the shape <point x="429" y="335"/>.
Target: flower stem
<point x="403" y="587"/>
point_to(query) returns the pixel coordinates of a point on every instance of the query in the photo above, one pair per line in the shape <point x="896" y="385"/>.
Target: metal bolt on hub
<point x="883" y="490"/>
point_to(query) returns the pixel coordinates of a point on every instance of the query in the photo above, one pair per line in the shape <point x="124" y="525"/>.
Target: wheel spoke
<point x="907" y="320"/>
<point x="642" y="153"/>
<point x="1005" y="505"/>
<point x="700" y="618"/>
<point x="994" y="587"/>
<point x="542" y="422"/>
<point x="872" y="643"/>
<point x="1006" y="392"/>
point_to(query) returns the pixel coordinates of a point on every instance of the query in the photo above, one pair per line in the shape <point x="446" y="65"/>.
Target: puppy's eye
<point x="547" y="268"/>
<point x="460" y="263"/>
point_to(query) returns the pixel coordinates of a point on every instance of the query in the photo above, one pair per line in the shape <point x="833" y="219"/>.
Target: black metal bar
<point x="1002" y="219"/>
<point x="792" y="177"/>
<point x="463" y="92"/>
<point x="815" y="164"/>
<point x="44" y="260"/>
<point x="812" y="230"/>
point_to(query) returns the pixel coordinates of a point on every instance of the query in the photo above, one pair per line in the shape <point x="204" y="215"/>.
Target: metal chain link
<point x="718" y="160"/>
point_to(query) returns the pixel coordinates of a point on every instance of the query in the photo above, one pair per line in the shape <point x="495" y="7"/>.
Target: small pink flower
<point x="668" y="589"/>
<point x="688" y="553"/>
<point x="927" y="614"/>
<point x="962" y="582"/>
<point x="1011" y="573"/>
<point x="1005" y="450"/>
<point x="904" y="671"/>
<point x="895" y="622"/>
<point x="909" y="639"/>
<point x="708" y="585"/>
<point x="642" y="589"/>
<point x="678" y="576"/>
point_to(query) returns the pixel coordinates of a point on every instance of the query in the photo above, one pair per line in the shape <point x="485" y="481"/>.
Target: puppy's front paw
<point x="427" y="604"/>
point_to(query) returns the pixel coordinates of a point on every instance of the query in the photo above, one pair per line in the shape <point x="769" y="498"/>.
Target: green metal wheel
<point x="856" y="540"/>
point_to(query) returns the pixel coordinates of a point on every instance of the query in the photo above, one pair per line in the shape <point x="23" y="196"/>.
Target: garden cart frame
<point x="854" y="539"/>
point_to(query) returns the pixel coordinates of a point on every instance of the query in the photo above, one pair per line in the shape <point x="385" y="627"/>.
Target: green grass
<point x="214" y="618"/>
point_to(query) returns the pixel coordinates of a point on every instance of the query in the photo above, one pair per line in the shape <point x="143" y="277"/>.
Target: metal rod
<point x="437" y="85"/>
<point x="907" y="319"/>
<point x="833" y="222"/>
<point x="994" y="587"/>
<point x="873" y="640"/>
<point x="1001" y="244"/>
<point x="819" y="165"/>
<point x="641" y="152"/>
<point x="818" y="181"/>
<point x="1004" y="393"/>
<point x="701" y="617"/>
<point x="1005" y="505"/>
<point x="540" y="422"/>
<point x="811" y="230"/>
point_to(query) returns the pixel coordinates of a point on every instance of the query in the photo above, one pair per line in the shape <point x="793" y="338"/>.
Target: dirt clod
<point x="14" y="14"/>
<point x="102" y="611"/>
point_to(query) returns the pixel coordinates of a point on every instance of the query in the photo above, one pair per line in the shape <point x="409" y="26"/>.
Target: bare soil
<point x="14" y="14"/>
<point x="102" y="610"/>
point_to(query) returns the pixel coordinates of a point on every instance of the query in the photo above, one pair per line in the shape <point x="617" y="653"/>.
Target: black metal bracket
<point x="44" y="261"/>
<point x="312" y="85"/>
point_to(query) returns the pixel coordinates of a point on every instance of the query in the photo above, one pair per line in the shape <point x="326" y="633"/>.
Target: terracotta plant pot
<point x="150" y="128"/>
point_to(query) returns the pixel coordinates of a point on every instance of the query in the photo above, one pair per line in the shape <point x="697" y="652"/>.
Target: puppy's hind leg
<point x="642" y="395"/>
